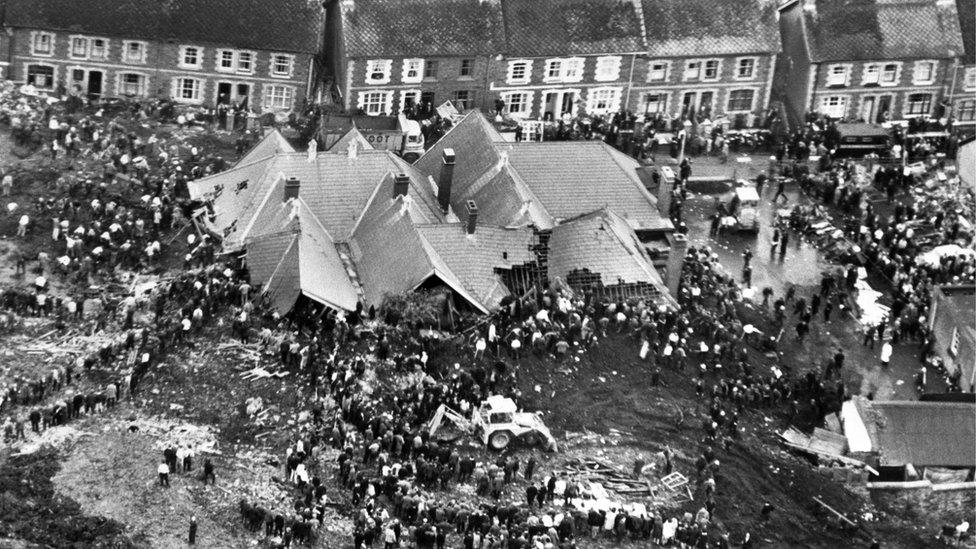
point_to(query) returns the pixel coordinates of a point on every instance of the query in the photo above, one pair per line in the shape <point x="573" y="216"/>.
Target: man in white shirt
<point x="163" y="471"/>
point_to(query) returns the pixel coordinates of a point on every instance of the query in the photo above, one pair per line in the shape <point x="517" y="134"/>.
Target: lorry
<point x="397" y="134"/>
<point x="743" y="209"/>
<point x="497" y="423"/>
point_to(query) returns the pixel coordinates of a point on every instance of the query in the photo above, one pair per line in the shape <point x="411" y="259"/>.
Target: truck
<point x="497" y="423"/>
<point x="397" y="134"/>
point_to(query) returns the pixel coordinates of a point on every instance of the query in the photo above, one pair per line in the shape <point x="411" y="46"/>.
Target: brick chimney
<point x="676" y="260"/>
<point x="472" y="211"/>
<point x="292" y="185"/>
<point x="664" y="189"/>
<point x="445" y="181"/>
<point x="401" y="185"/>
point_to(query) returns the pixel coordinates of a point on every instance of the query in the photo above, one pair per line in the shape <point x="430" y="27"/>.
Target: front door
<point x="94" y="84"/>
<point x="884" y="109"/>
<point x="705" y="104"/>
<point x="242" y="96"/>
<point x="867" y="108"/>
<point x="223" y="93"/>
<point x="688" y="103"/>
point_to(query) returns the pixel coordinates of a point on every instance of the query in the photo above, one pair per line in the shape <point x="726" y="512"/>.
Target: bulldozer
<point x="497" y="423"/>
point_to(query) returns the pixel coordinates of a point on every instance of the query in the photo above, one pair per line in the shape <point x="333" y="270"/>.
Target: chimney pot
<point x="445" y="181"/>
<point x="292" y="185"/>
<point x="401" y="185"/>
<point x="472" y="210"/>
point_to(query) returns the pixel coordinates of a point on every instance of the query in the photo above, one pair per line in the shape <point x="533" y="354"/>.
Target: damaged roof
<point x="281" y="25"/>
<point x="679" y="28"/>
<point x="844" y="30"/>
<point x="924" y="434"/>
<point x="540" y="183"/>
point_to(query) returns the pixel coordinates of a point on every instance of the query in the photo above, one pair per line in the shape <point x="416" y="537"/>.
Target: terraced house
<point x="252" y="53"/>
<point x="869" y="60"/>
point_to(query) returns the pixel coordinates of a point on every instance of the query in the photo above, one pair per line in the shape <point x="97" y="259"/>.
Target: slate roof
<point x="405" y="28"/>
<point x="279" y="25"/>
<point x="967" y="25"/>
<point x="353" y="136"/>
<point x="540" y="183"/>
<point x="938" y="434"/>
<point x="851" y="30"/>
<point x="272" y="143"/>
<point x="605" y="244"/>
<point x="684" y="28"/>
<point x="571" y="27"/>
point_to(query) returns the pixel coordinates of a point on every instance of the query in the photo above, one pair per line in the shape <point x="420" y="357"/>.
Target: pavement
<point x="801" y="266"/>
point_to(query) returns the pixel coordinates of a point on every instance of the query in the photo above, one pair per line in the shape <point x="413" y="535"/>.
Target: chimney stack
<point x="664" y="190"/>
<point x="445" y="181"/>
<point x="401" y="185"/>
<point x="292" y="185"/>
<point x="472" y="210"/>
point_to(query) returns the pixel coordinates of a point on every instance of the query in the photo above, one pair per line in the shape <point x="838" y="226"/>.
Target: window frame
<point x="844" y="100"/>
<point x="969" y="79"/>
<point x="289" y="62"/>
<point x="386" y="104"/>
<point x="239" y="55"/>
<point x="198" y="53"/>
<point x="843" y="69"/>
<point x="120" y="83"/>
<point x="468" y="101"/>
<point x="718" y="70"/>
<point x="268" y="92"/>
<point x="526" y="77"/>
<point x="753" y="70"/>
<point x="895" y="74"/>
<point x="178" y="89"/>
<point x="382" y="66"/>
<point x="143" y="49"/>
<point x="686" y="75"/>
<point x="907" y="110"/>
<point x="86" y="42"/>
<point x="615" y="94"/>
<point x="526" y="105"/>
<point x="466" y="68"/>
<point x="871" y="68"/>
<point x="54" y="74"/>
<point x="664" y="105"/>
<point x="966" y="107"/>
<point x="602" y="73"/>
<point x="752" y="101"/>
<point x="431" y="67"/>
<point x="665" y="70"/>
<point x="411" y="64"/>
<point x="35" y="36"/>
<point x="219" y="58"/>
<point x="934" y="67"/>
<point x="103" y="56"/>
<point x="568" y="70"/>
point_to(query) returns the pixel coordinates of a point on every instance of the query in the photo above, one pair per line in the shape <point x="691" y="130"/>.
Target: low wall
<point x="923" y="499"/>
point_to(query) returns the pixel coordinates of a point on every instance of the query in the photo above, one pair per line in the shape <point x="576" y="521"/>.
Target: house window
<point x="99" y="48"/>
<point x="603" y="100"/>
<point x="281" y="64"/>
<point x="871" y="76"/>
<point x="225" y="60"/>
<point x="607" y="68"/>
<point x="41" y="76"/>
<point x="413" y="70"/>
<point x="692" y="70"/>
<point x="740" y="100"/>
<point x="655" y="103"/>
<point x="278" y="97"/>
<point x="834" y="106"/>
<point x="245" y="62"/>
<point x="463" y="99"/>
<point x="711" y="69"/>
<point x="188" y="89"/>
<point x="467" y="67"/>
<point x="519" y="72"/>
<point x="889" y="74"/>
<point x="430" y="68"/>
<point x="969" y="79"/>
<point x="378" y="71"/>
<point x="42" y="44"/>
<point x="519" y="103"/>
<point x="966" y="110"/>
<point x="564" y="70"/>
<point x="79" y="47"/>
<point x="132" y="85"/>
<point x="133" y="52"/>
<point x="954" y="343"/>
<point x="554" y="69"/>
<point x="924" y="72"/>
<point x="918" y="104"/>
<point x="746" y="68"/>
<point x="190" y="57"/>
<point x="837" y="75"/>
<point x="375" y="103"/>
<point x="657" y="71"/>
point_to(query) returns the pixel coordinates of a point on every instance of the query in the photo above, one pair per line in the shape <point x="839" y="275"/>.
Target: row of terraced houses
<point x="871" y="60"/>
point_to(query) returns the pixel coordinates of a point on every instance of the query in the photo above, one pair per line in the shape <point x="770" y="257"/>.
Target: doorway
<point x="233" y="94"/>
<point x="223" y="93"/>
<point x="558" y="103"/>
<point x="884" y="109"/>
<point x="868" y="104"/>
<point x="95" y="84"/>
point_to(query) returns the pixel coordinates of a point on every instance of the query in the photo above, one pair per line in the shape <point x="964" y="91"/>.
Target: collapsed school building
<point x="486" y="218"/>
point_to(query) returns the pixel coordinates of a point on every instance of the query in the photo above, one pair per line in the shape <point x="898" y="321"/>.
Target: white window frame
<point x="54" y="73"/>
<point x="607" y="68"/>
<point x="526" y="105"/>
<point x="143" y="48"/>
<point x="566" y="69"/>
<point x="384" y="66"/>
<point x="267" y="92"/>
<point x="871" y="75"/>
<point x="613" y="101"/>
<point x="906" y="106"/>
<point x="273" y="64"/>
<point x="386" y="101"/>
<point x="752" y="104"/>
<point x="37" y="35"/>
<point x="969" y="79"/>
<point x="470" y="74"/>
<point x="665" y="70"/>
<point x="667" y="101"/>
<point x="918" y="67"/>
<point x="527" y="71"/>
<point x="119" y="84"/>
<point x="718" y="70"/>
<point x="84" y="41"/>
<point x="844" y="100"/>
<point x="182" y="59"/>
<point x="91" y="48"/>
<point x="219" y="56"/>
<point x="752" y="72"/>
<point x="239" y="55"/>
<point x="177" y="90"/>
<point x="838" y="74"/>
<point x="412" y="64"/>
<point x="896" y="75"/>
<point x="686" y="72"/>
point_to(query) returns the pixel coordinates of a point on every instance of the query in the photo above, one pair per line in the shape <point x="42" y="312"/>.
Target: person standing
<point x="163" y="471"/>
<point x="192" y="538"/>
<point x="886" y="351"/>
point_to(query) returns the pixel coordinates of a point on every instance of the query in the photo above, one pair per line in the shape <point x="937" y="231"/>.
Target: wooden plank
<point x="835" y="512"/>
